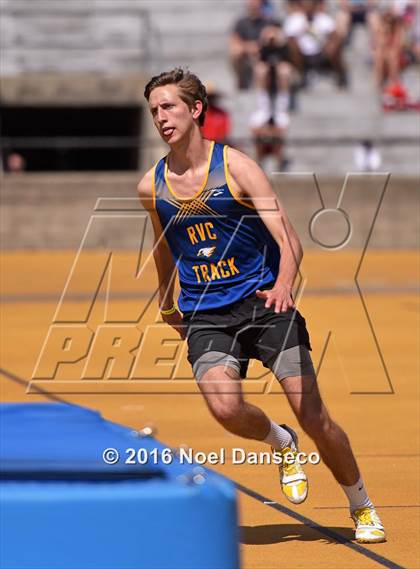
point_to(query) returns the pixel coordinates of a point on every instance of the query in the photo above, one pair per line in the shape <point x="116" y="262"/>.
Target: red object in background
<point x="395" y="98"/>
<point x="216" y="124"/>
<point x="398" y="91"/>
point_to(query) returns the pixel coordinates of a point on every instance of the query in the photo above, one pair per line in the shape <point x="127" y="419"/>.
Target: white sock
<point x="357" y="495"/>
<point x="263" y="101"/>
<point x="282" y="101"/>
<point x="278" y="437"/>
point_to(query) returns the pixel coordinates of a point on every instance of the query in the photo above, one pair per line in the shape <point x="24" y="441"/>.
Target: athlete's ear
<point x="197" y="109"/>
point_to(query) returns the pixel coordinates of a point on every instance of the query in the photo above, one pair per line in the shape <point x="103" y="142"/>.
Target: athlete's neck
<point x="189" y="153"/>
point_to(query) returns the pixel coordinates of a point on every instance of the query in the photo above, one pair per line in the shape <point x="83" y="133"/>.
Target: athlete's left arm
<point x="249" y="181"/>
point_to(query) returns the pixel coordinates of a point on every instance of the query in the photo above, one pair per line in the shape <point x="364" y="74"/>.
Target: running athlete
<point x="218" y="222"/>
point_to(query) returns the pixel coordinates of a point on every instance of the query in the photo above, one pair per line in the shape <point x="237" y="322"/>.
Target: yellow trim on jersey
<point x="234" y="195"/>
<point x="200" y="191"/>
<point x="154" y="186"/>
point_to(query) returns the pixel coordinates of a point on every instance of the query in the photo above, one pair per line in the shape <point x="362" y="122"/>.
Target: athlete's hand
<point x="280" y="296"/>
<point x="175" y="320"/>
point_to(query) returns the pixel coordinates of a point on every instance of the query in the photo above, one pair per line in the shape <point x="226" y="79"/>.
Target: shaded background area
<point x="61" y="137"/>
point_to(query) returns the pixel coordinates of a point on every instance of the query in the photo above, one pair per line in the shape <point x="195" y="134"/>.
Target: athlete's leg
<point x="222" y="390"/>
<point x="334" y="447"/>
<point x="221" y="387"/>
<point x="218" y="377"/>
<point x="332" y="442"/>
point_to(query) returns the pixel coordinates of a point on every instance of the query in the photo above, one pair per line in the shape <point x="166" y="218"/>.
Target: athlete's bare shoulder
<point x="245" y="174"/>
<point x="145" y="189"/>
<point x="145" y="186"/>
<point x="237" y="159"/>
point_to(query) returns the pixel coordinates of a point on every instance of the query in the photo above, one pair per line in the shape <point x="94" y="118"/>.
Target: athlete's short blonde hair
<point x="191" y="89"/>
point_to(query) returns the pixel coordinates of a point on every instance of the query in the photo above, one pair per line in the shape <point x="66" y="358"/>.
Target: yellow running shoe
<point x="293" y="480"/>
<point x="369" y="528"/>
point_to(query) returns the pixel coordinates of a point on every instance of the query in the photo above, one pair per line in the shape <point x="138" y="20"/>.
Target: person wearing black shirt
<point x="243" y="42"/>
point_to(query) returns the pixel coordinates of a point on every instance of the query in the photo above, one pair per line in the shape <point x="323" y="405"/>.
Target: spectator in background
<point x="366" y="12"/>
<point x="217" y="123"/>
<point x="367" y="157"/>
<point x="387" y="50"/>
<point x="273" y="72"/>
<point x="314" y="41"/>
<point x="270" y="120"/>
<point x="269" y="140"/>
<point x="274" y="75"/>
<point x="411" y="19"/>
<point x="355" y="12"/>
<point x="394" y="40"/>
<point x="15" y="163"/>
<point x="243" y="41"/>
<point x="415" y="35"/>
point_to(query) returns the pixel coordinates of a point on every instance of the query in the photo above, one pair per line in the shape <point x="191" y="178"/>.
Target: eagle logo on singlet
<point x="206" y="252"/>
<point x="216" y="192"/>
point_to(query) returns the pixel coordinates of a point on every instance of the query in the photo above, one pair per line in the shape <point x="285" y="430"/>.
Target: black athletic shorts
<point x="245" y="329"/>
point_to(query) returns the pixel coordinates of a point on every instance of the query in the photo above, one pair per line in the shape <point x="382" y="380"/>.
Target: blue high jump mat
<point x="62" y="506"/>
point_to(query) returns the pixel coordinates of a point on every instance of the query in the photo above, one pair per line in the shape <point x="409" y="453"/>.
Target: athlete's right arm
<point x="162" y="255"/>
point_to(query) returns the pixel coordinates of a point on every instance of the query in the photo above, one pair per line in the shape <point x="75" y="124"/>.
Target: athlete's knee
<point x="228" y="412"/>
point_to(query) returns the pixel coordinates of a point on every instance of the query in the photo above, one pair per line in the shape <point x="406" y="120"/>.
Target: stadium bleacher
<point x="145" y="37"/>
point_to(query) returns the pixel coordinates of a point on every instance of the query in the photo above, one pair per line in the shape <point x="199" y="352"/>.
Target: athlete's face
<point x="171" y="115"/>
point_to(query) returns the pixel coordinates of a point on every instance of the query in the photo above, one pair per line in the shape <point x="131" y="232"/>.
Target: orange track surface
<point x="381" y="420"/>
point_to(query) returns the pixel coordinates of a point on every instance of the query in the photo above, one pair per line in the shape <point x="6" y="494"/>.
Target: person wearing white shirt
<point x="314" y="41"/>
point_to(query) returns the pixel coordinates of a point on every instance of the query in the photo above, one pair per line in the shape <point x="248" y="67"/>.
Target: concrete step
<point x="339" y="159"/>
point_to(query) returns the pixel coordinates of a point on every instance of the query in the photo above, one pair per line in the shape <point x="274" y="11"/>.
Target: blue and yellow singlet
<point x="222" y="249"/>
